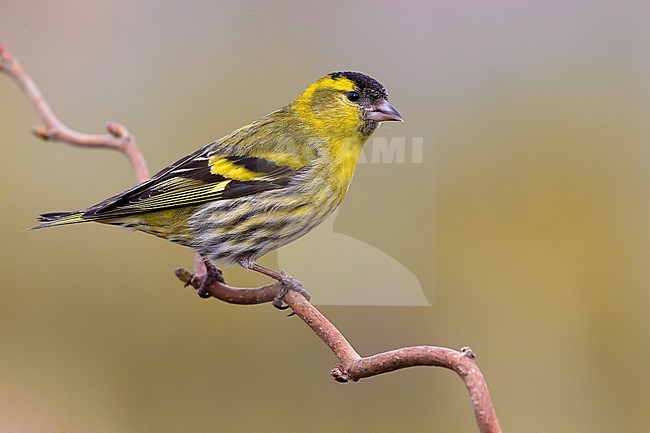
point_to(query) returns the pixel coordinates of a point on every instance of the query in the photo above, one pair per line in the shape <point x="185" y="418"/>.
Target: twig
<point x="118" y="137"/>
<point x="353" y="367"/>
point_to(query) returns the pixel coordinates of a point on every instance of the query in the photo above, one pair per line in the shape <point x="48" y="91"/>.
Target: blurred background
<point x="526" y="223"/>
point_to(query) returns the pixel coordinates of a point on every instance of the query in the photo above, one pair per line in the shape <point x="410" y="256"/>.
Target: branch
<point x="118" y="137"/>
<point x="353" y="367"/>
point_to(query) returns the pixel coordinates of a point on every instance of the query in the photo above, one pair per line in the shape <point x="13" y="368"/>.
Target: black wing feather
<point x="190" y="181"/>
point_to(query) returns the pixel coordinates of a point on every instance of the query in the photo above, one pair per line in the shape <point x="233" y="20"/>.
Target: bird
<point x="259" y="187"/>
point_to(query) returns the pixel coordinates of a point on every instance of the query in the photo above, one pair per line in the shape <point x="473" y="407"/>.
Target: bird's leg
<point x="288" y="283"/>
<point x="201" y="282"/>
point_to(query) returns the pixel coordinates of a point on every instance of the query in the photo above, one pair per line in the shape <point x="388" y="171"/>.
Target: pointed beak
<point x="382" y="111"/>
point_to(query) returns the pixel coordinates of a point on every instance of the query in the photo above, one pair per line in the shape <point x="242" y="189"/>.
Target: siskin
<point x="259" y="187"/>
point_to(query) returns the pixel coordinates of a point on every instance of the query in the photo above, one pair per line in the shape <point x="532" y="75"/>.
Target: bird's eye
<point x="353" y="96"/>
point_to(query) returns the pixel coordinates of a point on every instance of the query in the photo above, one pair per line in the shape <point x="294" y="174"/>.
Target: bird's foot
<point x="288" y="283"/>
<point x="202" y="282"/>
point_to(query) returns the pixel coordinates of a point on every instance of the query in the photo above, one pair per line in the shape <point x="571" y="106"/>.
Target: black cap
<point x="367" y="85"/>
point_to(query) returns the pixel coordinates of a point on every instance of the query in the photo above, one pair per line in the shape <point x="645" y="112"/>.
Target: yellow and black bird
<point x="259" y="187"/>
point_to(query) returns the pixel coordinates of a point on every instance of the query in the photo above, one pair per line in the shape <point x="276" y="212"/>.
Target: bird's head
<point x="346" y="103"/>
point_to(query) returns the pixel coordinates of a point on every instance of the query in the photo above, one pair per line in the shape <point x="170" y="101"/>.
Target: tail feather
<point x="59" y="218"/>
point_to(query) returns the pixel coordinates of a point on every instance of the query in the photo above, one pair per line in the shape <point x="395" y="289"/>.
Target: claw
<point x="201" y="283"/>
<point x="288" y="283"/>
<point x="212" y="274"/>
